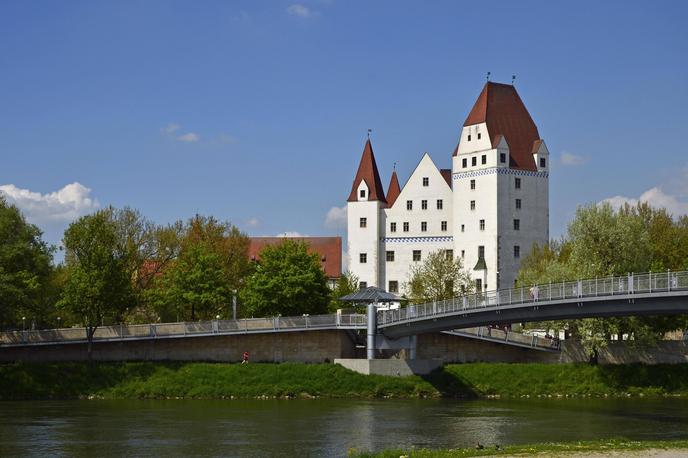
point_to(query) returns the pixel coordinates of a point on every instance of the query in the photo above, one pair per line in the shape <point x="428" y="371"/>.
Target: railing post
<point x="650" y="278"/>
<point x="668" y="281"/>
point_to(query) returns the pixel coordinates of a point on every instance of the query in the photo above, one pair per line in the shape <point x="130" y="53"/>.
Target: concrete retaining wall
<point x="390" y="367"/>
<point x="310" y="347"/>
<point x="318" y="346"/>
<point x="455" y="349"/>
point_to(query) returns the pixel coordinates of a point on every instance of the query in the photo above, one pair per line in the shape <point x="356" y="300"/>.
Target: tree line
<point x="600" y="242"/>
<point x="119" y="267"/>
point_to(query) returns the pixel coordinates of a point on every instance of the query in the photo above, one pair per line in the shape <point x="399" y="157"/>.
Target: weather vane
<point x="488" y="76"/>
<point x="394" y="167"/>
<point x="513" y="79"/>
<point x="369" y="131"/>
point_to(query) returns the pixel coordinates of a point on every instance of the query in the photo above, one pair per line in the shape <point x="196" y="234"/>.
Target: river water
<point x="319" y="427"/>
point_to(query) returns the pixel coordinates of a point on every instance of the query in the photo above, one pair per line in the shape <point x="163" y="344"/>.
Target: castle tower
<point x="364" y="224"/>
<point x="500" y="187"/>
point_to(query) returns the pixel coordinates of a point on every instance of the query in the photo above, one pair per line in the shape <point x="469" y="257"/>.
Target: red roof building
<point x="329" y="250"/>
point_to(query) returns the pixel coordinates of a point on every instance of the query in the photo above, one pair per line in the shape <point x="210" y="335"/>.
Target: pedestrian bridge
<point x="664" y="293"/>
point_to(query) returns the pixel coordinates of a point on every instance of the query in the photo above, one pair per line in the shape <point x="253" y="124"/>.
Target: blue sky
<point x="256" y="112"/>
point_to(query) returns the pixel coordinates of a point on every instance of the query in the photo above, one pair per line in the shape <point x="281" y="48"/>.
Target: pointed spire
<point x="393" y="190"/>
<point x="367" y="171"/>
<point x="501" y="108"/>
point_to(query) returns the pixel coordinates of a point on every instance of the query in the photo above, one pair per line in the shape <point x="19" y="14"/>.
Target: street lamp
<point x="24" y="323"/>
<point x="58" y="322"/>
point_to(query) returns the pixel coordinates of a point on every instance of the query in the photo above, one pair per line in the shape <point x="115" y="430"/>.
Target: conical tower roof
<point x="367" y="171"/>
<point x="500" y="107"/>
<point x="393" y="190"/>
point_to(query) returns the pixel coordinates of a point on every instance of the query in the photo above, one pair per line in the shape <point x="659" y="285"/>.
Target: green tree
<point x="99" y="282"/>
<point x="346" y="284"/>
<point x="197" y="268"/>
<point x="25" y="268"/>
<point x="287" y="281"/>
<point x="194" y="287"/>
<point x="438" y="277"/>
<point x="601" y="242"/>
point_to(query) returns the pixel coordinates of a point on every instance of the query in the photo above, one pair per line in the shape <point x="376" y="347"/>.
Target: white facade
<point x="495" y="209"/>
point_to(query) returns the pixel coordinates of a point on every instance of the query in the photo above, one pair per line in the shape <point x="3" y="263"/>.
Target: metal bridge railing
<point x="509" y="337"/>
<point x="644" y="283"/>
<point x="166" y="330"/>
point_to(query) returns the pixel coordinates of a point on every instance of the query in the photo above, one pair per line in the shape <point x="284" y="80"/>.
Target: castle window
<point x="439" y="204"/>
<point x="416" y="255"/>
<point x="423" y="204"/>
<point x="481" y="252"/>
<point x="443" y="225"/>
<point x="482" y="224"/>
<point x="472" y="204"/>
<point x="542" y="162"/>
<point x="518" y="204"/>
<point x="483" y="159"/>
<point x="517" y="183"/>
<point x="517" y="224"/>
<point x="479" y="135"/>
<point x="362" y="194"/>
<point x="479" y="284"/>
<point x="363" y="258"/>
<point x="426" y="181"/>
<point x="449" y="254"/>
<point x="390" y="256"/>
<point x="473" y="184"/>
<point x="392" y="227"/>
<point x="474" y="161"/>
<point x="393" y="286"/>
<point x="409" y="205"/>
<point x="463" y="227"/>
<point x="469" y="137"/>
<point x="517" y="251"/>
<point x="463" y="253"/>
<point x="363" y="285"/>
<point x="502" y="157"/>
<point x="464" y="163"/>
<point x="424" y="226"/>
<point x="406" y="227"/>
<point x="363" y="222"/>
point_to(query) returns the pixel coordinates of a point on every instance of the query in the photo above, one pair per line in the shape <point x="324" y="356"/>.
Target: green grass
<point x="148" y="380"/>
<point x="562" y="449"/>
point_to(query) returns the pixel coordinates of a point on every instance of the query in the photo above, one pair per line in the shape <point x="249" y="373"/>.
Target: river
<point x="319" y="427"/>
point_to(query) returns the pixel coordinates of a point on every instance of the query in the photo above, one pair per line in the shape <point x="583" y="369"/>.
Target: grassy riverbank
<point x="585" y="448"/>
<point x="145" y="380"/>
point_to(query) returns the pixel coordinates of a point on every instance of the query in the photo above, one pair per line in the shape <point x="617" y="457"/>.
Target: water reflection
<point x="319" y="427"/>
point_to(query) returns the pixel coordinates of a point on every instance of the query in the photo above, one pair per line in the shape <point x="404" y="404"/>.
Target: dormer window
<point x="543" y="162"/>
<point x="469" y="137"/>
<point x="362" y="193"/>
<point x="502" y="157"/>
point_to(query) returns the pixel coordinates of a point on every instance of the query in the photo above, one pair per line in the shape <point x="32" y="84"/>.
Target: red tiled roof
<point x="329" y="249"/>
<point x="501" y="108"/>
<point x="367" y="170"/>
<point x="447" y="175"/>
<point x="393" y="190"/>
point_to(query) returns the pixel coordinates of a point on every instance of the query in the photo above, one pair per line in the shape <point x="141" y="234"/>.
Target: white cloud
<point x="171" y="128"/>
<point x="253" y="222"/>
<point x="570" y="159"/>
<point x="65" y="204"/>
<point x="656" y="197"/>
<point x="189" y="138"/>
<point x="336" y="218"/>
<point x="297" y="9"/>
<point x="291" y="234"/>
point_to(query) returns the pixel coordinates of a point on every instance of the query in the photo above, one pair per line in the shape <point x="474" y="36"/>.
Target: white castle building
<point x="489" y="209"/>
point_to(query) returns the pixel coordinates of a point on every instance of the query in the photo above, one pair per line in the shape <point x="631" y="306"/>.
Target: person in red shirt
<point x="245" y="360"/>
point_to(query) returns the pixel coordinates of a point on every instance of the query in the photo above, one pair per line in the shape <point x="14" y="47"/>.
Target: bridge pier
<point x="371" y="330"/>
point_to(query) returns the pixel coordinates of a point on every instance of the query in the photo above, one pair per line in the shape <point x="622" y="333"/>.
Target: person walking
<point x="245" y="360"/>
